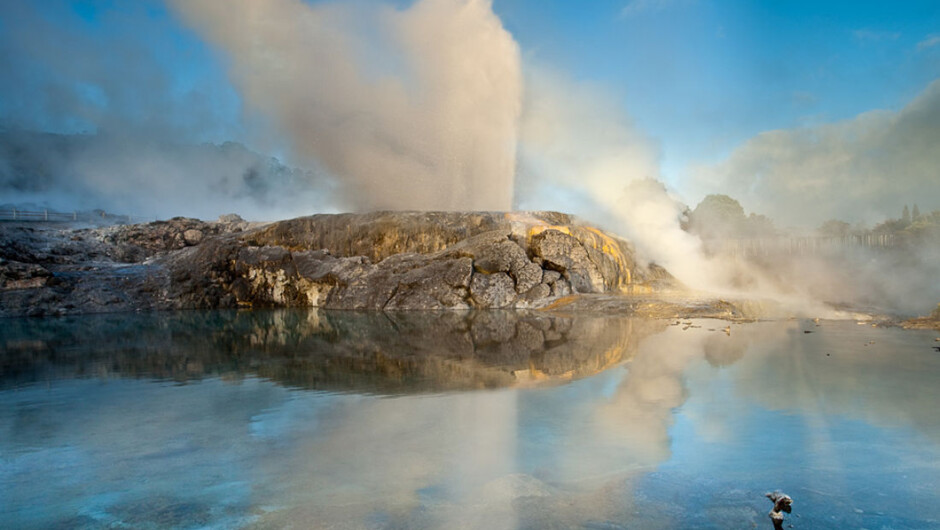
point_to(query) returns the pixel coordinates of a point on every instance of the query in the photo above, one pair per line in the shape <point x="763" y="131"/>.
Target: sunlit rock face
<point x="379" y="261"/>
<point x="409" y="260"/>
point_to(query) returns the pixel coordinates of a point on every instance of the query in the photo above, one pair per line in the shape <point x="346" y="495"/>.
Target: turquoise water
<point x="479" y="420"/>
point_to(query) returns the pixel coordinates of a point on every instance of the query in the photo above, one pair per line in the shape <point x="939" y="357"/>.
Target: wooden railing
<point x="808" y="245"/>
<point x="15" y="214"/>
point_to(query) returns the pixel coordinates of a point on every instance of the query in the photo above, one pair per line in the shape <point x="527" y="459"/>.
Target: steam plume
<point x="412" y="109"/>
<point x="574" y="139"/>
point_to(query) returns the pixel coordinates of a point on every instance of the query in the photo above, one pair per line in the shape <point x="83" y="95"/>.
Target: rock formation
<point x="931" y="321"/>
<point x="410" y="260"/>
<point x="378" y="261"/>
<point x="782" y="504"/>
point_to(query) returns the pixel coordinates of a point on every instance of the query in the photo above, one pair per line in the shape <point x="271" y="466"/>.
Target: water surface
<point x="463" y="420"/>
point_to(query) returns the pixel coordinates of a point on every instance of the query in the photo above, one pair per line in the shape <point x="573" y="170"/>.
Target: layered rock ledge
<point x="409" y="260"/>
<point x="376" y="261"/>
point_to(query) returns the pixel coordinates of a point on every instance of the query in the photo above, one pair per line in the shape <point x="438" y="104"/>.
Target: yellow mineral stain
<point x="535" y="230"/>
<point x="563" y="301"/>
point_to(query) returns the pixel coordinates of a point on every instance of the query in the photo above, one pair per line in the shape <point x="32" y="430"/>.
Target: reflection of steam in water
<point x="453" y="461"/>
<point x="629" y="433"/>
<point x="843" y="369"/>
<point x="409" y="461"/>
<point x="640" y="411"/>
<point x="635" y="420"/>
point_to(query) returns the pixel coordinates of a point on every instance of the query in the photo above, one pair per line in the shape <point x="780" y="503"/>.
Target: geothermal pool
<point x="272" y="419"/>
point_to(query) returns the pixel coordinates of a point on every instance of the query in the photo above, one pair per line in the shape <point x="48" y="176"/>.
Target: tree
<point x="717" y="216"/>
<point x="915" y="213"/>
<point x="834" y="228"/>
<point x="759" y="226"/>
<point x="905" y="216"/>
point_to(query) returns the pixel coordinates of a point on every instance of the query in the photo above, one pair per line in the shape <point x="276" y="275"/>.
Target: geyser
<point x="410" y="109"/>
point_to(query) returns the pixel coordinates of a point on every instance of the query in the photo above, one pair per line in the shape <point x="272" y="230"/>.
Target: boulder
<point x="556" y="250"/>
<point x="441" y="284"/>
<point x="495" y="290"/>
<point x="231" y="218"/>
<point x="192" y="236"/>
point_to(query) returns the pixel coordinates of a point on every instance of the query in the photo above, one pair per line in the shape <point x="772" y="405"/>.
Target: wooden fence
<point x="808" y="245"/>
<point x="63" y="217"/>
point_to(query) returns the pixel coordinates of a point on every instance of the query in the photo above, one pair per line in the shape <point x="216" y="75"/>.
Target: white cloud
<point x="870" y="35"/>
<point x="803" y="99"/>
<point x="865" y="168"/>
<point x="637" y="7"/>
<point x="930" y="41"/>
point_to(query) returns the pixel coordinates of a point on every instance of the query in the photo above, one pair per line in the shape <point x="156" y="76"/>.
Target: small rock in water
<point x="782" y="503"/>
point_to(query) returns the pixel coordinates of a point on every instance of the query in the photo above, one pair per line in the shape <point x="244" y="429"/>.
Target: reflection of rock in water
<point x="372" y="351"/>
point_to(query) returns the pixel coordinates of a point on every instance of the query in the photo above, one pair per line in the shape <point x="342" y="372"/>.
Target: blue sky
<point x="699" y="78"/>
<point x="703" y="76"/>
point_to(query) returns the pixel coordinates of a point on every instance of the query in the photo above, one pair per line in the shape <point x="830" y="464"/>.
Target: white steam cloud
<point x="411" y="109"/>
<point x="580" y="152"/>
<point x="863" y="169"/>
